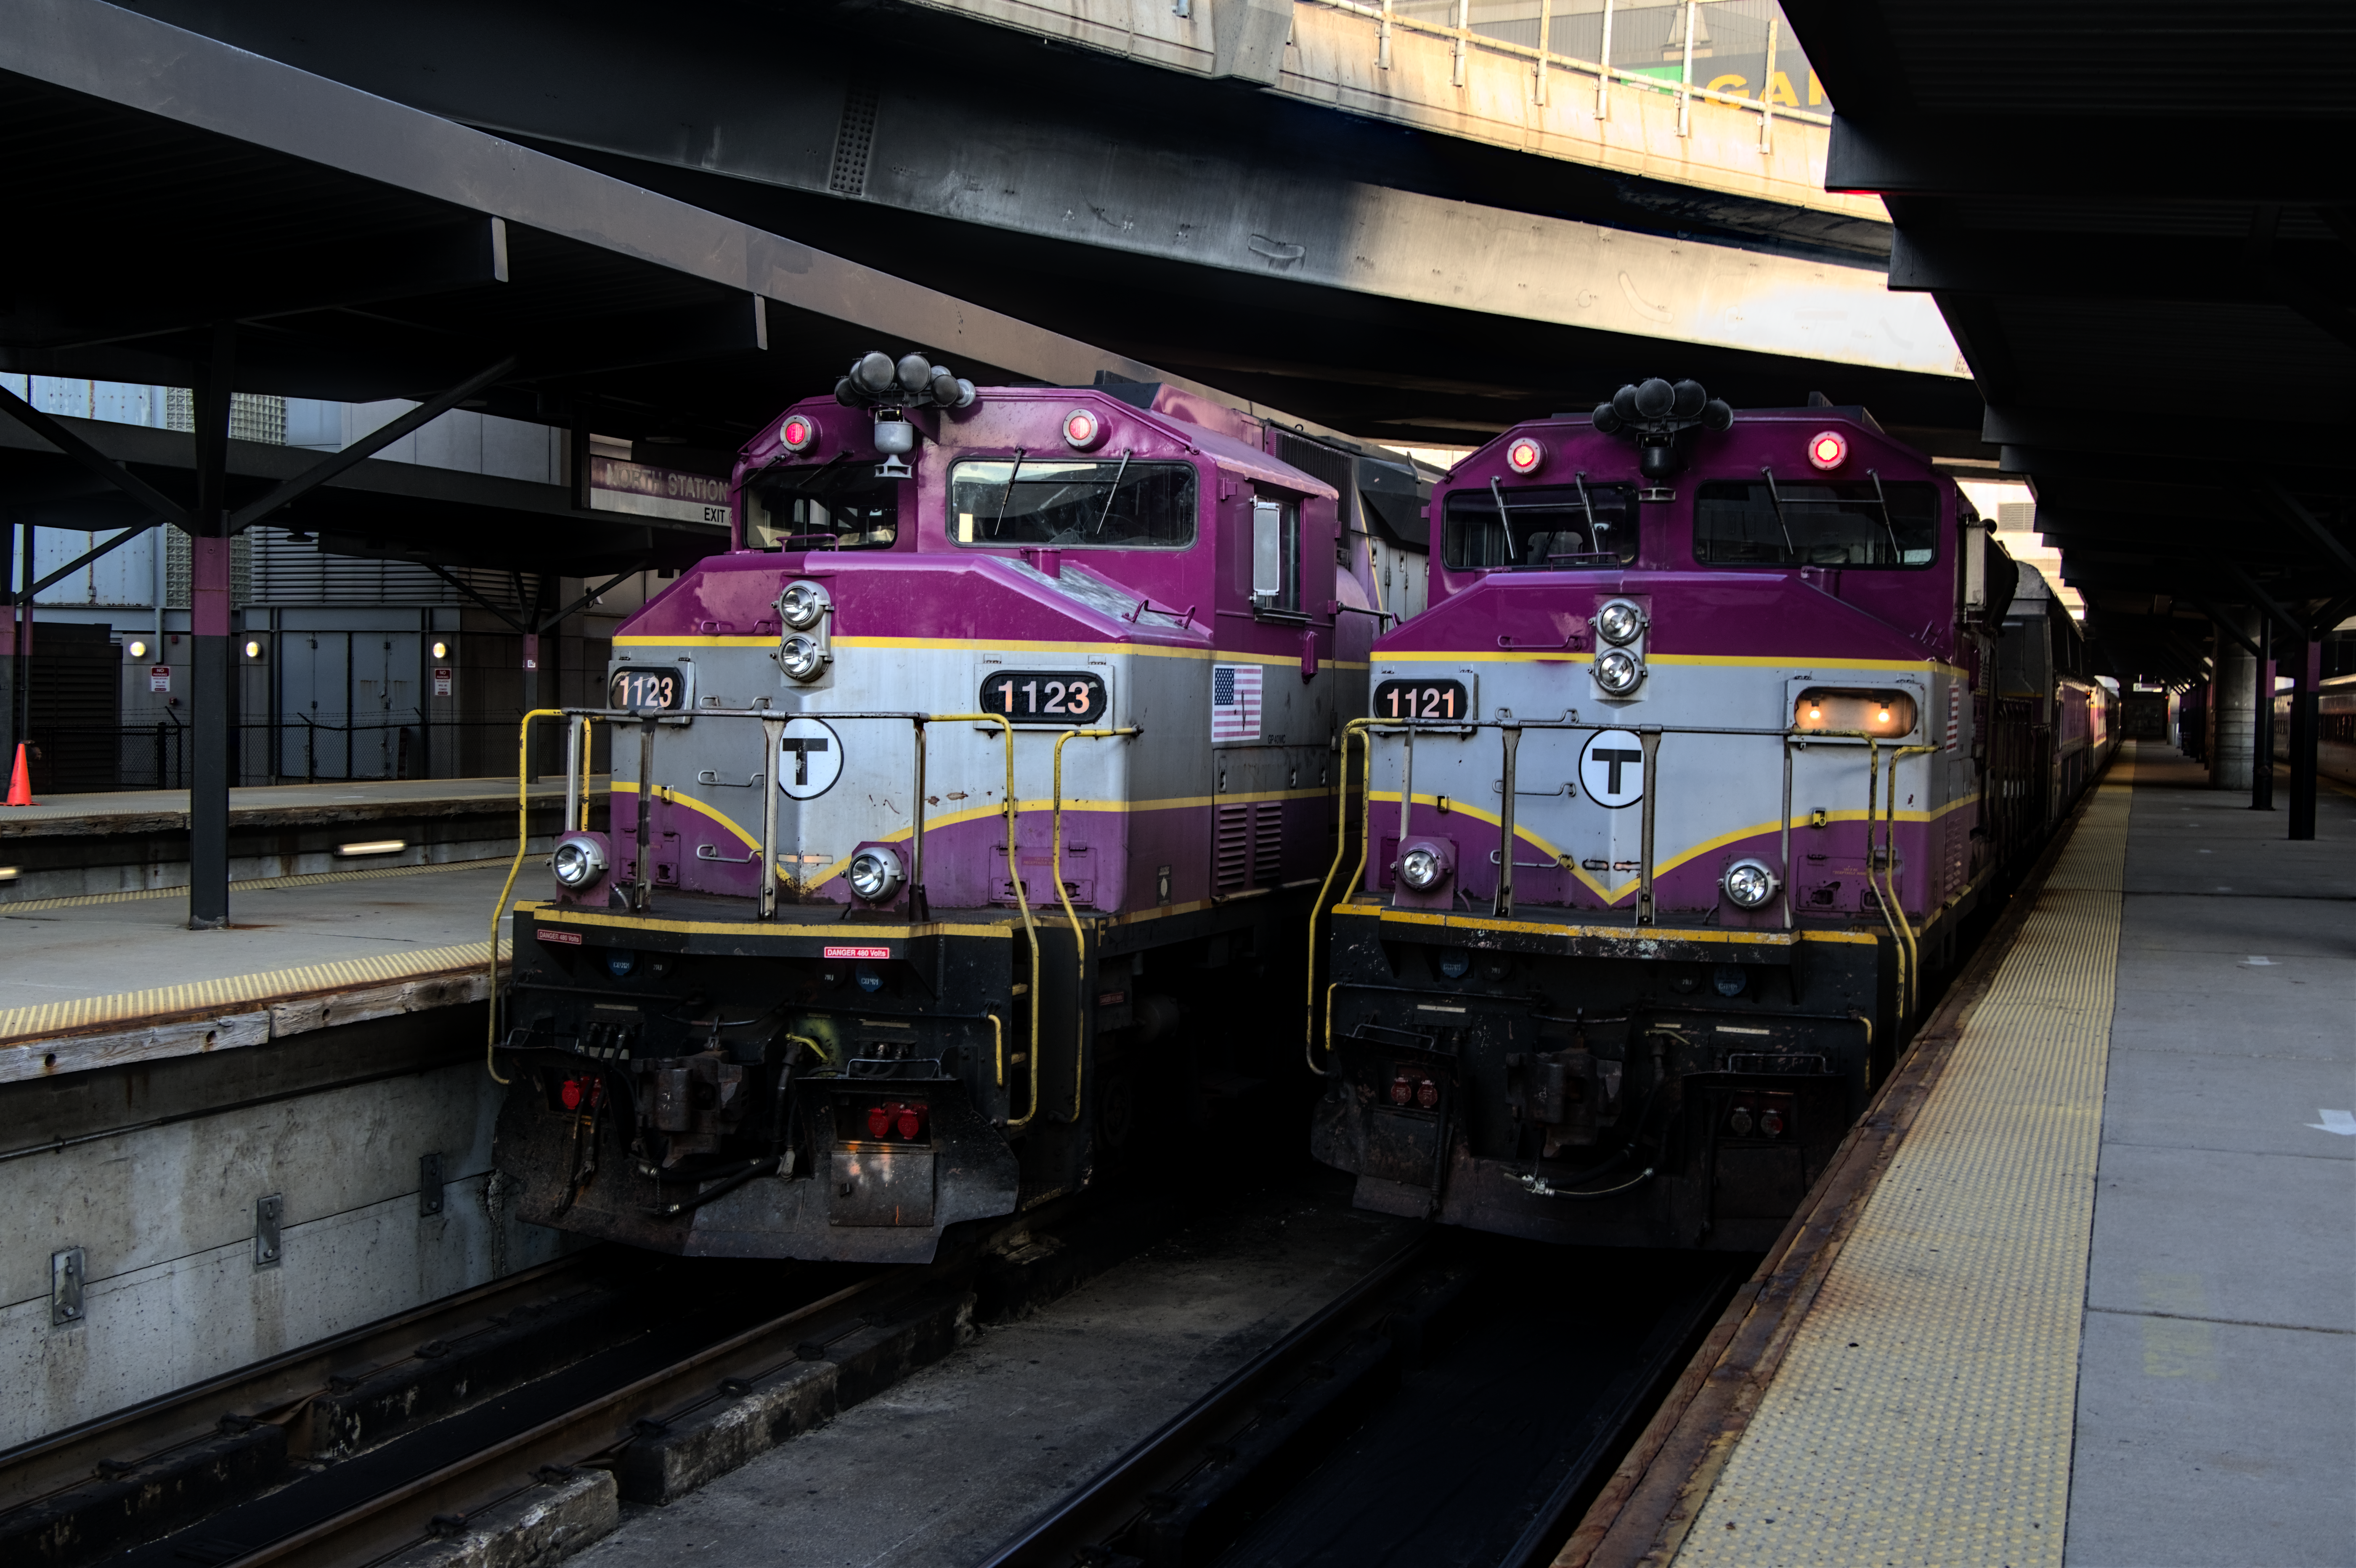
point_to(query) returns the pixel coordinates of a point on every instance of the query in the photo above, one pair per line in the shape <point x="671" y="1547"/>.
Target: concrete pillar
<point x="2233" y="697"/>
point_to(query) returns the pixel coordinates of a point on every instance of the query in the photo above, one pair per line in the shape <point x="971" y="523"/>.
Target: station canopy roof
<point x="165" y="182"/>
<point x="2140" y="222"/>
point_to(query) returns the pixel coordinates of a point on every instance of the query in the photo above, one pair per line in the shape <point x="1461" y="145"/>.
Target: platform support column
<point x="2231" y="696"/>
<point x="2305" y="703"/>
<point x="2262" y="737"/>
<point x="213" y="716"/>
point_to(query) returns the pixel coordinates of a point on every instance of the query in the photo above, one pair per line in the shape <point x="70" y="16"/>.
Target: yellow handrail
<point x="588" y="733"/>
<point x="1079" y="938"/>
<point x="1910" y="964"/>
<point x="500" y="910"/>
<point x="1014" y="874"/>
<point x="1358" y="727"/>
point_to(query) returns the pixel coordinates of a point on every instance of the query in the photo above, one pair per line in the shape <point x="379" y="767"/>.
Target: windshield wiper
<point x="1113" y="494"/>
<point x="1595" y="530"/>
<point x="1897" y="556"/>
<point x="1791" y="552"/>
<point x="1019" y="455"/>
<point x="1504" y="518"/>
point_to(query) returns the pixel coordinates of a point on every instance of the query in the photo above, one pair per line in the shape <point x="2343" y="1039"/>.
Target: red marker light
<point x="1524" y="455"/>
<point x="1827" y="450"/>
<point x="1082" y="430"/>
<point x="798" y="432"/>
<point x="911" y="1121"/>
<point x="570" y="1093"/>
<point x="880" y="1118"/>
<point x="1426" y="1093"/>
<point x="1402" y="1091"/>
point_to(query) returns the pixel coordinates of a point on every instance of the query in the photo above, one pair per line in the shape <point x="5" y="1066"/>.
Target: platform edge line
<point x="1641" y="1518"/>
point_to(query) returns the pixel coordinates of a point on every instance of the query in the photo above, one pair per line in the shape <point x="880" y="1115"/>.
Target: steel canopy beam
<point x="90" y="458"/>
<point x="368" y="446"/>
<point x="2043" y="265"/>
<point x="2288" y="158"/>
<point x="122" y="58"/>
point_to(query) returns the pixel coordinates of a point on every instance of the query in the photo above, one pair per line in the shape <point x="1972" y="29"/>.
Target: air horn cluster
<point x="913" y="381"/>
<point x="1661" y="418"/>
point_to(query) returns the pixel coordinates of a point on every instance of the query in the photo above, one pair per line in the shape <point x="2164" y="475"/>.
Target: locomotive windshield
<point x="1078" y="503"/>
<point x="839" y="505"/>
<point x="1774" y="521"/>
<point x="1555" y="528"/>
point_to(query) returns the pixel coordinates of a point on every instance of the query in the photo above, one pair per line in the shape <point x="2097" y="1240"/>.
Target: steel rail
<point x="274" y="1388"/>
<point x="404" y="1513"/>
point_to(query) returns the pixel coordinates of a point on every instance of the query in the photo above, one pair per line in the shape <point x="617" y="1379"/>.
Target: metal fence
<point x="1737" y="53"/>
<point x="98" y="758"/>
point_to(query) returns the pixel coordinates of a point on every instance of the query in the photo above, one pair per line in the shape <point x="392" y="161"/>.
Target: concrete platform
<point x="2097" y="1304"/>
<point x="136" y="841"/>
<point x="160" y="1086"/>
<point x="100" y="980"/>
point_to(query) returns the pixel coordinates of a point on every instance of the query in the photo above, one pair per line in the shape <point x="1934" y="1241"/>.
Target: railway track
<point x="536" y="1404"/>
<point x="1467" y="1390"/>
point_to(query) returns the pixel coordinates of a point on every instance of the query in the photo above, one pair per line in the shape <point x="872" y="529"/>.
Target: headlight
<point x="801" y="604"/>
<point x="1421" y="867"/>
<point x="1620" y="622"/>
<point x="579" y="860"/>
<point x="1749" y="884"/>
<point x="1617" y="673"/>
<point x="874" y="874"/>
<point x="802" y="656"/>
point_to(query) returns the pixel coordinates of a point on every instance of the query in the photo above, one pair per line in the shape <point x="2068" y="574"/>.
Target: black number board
<point x="1444" y="700"/>
<point x="1047" y="697"/>
<point x="657" y="688"/>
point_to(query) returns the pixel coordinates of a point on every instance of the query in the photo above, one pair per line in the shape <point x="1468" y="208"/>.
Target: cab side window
<point x="1276" y="554"/>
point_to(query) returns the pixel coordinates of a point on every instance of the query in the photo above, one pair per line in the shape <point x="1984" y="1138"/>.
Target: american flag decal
<point x="1235" y="702"/>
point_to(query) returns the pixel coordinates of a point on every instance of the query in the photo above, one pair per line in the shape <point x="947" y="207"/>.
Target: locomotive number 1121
<point x="1427" y="700"/>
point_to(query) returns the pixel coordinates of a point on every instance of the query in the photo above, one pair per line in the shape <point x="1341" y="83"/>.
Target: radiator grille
<point x="1232" y="855"/>
<point x="1268" y="842"/>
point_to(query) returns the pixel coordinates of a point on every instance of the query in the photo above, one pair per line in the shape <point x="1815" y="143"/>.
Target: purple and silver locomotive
<point x="1005" y="735"/>
<point x="1680" y="796"/>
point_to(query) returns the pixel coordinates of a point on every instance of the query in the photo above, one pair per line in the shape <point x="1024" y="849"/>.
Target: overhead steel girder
<point x="2203" y="474"/>
<point x="2317" y="443"/>
<point x="1282" y="220"/>
<point x="81" y="302"/>
<point x="2045" y="265"/>
<point x="2284" y="156"/>
<point x="120" y="58"/>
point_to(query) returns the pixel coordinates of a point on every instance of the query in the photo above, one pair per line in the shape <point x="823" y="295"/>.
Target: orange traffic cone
<point x="20" y="782"/>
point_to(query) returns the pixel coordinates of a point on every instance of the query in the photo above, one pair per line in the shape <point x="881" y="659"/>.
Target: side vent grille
<point x="1232" y="856"/>
<point x="1268" y="842"/>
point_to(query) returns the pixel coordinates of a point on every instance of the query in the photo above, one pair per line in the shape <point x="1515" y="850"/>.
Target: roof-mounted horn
<point x="1660" y="417"/>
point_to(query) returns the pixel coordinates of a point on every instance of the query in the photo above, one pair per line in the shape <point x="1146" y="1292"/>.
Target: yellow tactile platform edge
<point x="258" y="884"/>
<point x="229" y="990"/>
<point x="1925" y="1411"/>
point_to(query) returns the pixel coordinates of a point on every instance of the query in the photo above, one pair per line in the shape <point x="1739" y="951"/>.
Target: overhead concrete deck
<point x="2100" y="1307"/>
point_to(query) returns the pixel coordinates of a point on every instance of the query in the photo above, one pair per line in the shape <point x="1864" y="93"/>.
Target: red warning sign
<point x="858" y="953"/>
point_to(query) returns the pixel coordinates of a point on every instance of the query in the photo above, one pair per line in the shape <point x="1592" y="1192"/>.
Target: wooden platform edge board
<point x="1640" y="1518"/>
<point x="243" y="1023"/>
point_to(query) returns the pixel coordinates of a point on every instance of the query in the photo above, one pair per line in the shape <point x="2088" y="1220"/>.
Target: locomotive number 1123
<point x="1427" y="700"/>
<point x="1047" y="696"/>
